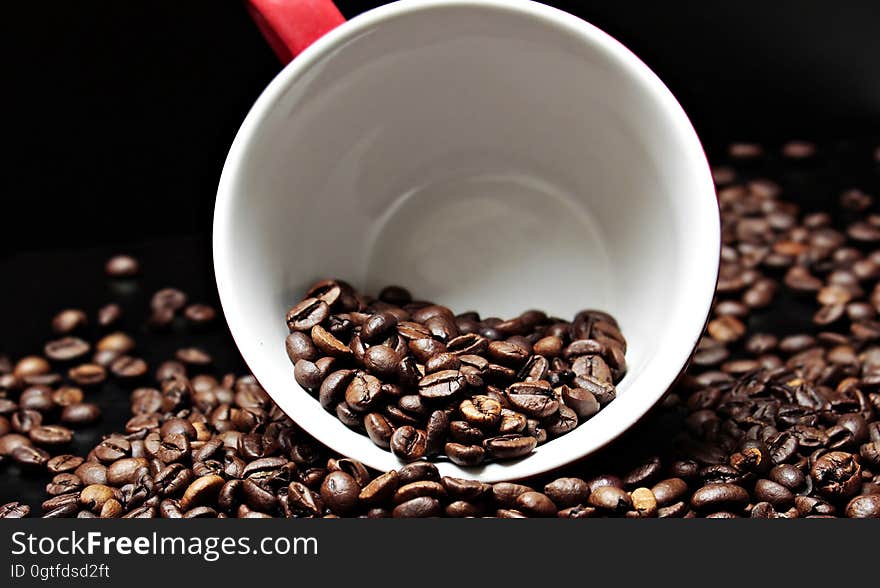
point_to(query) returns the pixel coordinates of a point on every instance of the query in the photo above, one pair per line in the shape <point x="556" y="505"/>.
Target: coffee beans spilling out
<point x="781" y="424"/>
<point x="422" y="382"/>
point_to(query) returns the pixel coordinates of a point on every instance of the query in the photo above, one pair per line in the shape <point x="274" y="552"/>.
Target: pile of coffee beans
<point x="421" y="381"/>
<point x="771" y="423"/>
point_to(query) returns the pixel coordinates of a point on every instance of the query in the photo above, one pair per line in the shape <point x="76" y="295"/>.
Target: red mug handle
<point x="290" y="26"/>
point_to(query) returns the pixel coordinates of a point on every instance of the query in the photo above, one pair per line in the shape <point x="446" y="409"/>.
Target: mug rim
<point x="531" y="465"/>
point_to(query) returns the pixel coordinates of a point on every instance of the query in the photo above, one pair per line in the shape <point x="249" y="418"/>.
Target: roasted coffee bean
<point x="193" y="356"/>
<point x="24" y="421"/>
<point x="836" y="475"/>
<point x="422" y="507"/>
<point x="91" y="472"/>
<point x="363" y="392"/>
<point x="11" y="441"/>
<point x="776" y="494"/>
<point x="561" y="422"/>
<point x="465" y="455"/>
<point x="307" y="314"/>
<point x="508" y="354"/>
<point x="87" y="374"/>
<point x="864" y="507"/>
<point x="436" y="430"/>
<point x="611" y="499"/>
<point x="669" y="491"/>
<point x="378" y="429"/>
<point x="68" y="321"/>
<point x="14" y="510"/>
<point x="328" y="344"/>
<point x="536" y="504"/>
<point x="30" y="456"/>
<point x="408" y="443"/>
<point x="129" y="367"/>
<point x="534" y="399"/>
<point x="511" y="422"/>
<point x="299" y="346"/>
<point x="566" y="492"/>
<point x="51" y="435"/>
<point x="203" y="490"/>
<point x="339" y="493"/>
<point x="715" y="497"/>
<point x="82" y="413"/>
<point x="63" y="463"/>
<point x="307" y="374"/>
<point x="509" y="446"/>
<point x="441" y="385"/>
<point x="112" y="448"/>
<point x="378" y="326"/>
<point x="37" y="397"/>
<point x="466" y="433"/>
<point x="481" y="411"/>
<point x="122" y="266"/>
<point x="109" y="314"/>
<point x="66" y="349"/>
<point x="381" y="361"/>
<point x="200" y="313"/>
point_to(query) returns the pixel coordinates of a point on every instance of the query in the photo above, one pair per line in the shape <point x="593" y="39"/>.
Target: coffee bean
<point x="508" y="354"/>
<point x="300" y="346"/>
<point x="328" y="344"/>
<point x="129" y="367"/>
<point x="66" y="349"/>
<point x="669" y="491"/>
<point x="644" y="503"/>
<point x="408" y="443"/>
<point x="11" y="441"/>
<point x="714" y="497"/>
<point x="566" y="492"/>
<point x="51" y="435"/>
<point x="68" y="321"/>
<point x="776" y="494"/>
<point x="381" y="361"/>
<point x="441" y="385"/>
<point x="32" y="365"/>
<point x="14" y="510"/>
<point x="509" y="446"/>
<point x="481" y="411"/>
<point x="80" y="414"/>
<point x="422" y="507"/>
<point x="200" y="314"/>
<point x="193" y="356"/>
<point x="363" y="392"/>
<point x="112" y="448"/>
<point x="340" y="492"/>
<point x="864" y="507"/>
<point x="611" y="499"/>
<point x="307" y="374"/>
<point x="63" y="463"/>
<point x="465" y="455"/>
<point x="532" y="398"/>
<point x="307" y="314"/>
<point x="436" y="431"/>
<point x="836" y="475"/>
<point x="535" y="504"/>
<point x="87" y="374"/>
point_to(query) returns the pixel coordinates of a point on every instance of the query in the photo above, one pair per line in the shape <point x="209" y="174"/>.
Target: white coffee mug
<point x="489" y="155"/>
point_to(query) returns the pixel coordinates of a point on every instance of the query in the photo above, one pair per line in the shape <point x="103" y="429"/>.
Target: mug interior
<point x="491" y="156"/>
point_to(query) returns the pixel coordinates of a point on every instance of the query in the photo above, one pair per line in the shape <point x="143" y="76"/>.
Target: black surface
<point x="43" y="282"/>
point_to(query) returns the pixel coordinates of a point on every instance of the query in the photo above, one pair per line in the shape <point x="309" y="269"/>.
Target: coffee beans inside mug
<point x="402" y="364"/>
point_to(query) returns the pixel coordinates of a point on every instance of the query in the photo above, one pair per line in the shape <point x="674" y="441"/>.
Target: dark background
<point x="118" y="115"/>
